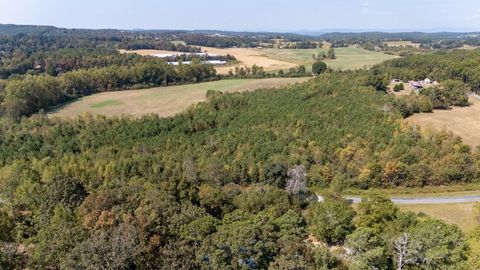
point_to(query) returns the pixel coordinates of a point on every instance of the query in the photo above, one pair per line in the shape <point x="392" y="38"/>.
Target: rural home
<point x="212" y="62"/>
<point x="396" y="81"/>
<point x="417" y="85"/>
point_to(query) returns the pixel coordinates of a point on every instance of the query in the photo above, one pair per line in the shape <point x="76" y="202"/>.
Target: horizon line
<point x="273" y="31"/>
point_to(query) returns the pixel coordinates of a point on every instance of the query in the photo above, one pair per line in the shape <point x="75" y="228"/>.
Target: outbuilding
<point x="396" y="81"/>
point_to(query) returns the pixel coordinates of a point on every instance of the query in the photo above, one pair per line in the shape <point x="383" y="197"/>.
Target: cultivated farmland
<point x="164" y="101"/>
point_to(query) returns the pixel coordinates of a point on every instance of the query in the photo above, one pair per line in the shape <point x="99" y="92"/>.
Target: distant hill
<point x="13" y="29"/>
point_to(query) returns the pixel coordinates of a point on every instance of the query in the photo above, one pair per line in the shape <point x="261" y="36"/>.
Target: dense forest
<point x="37" y="54"/>
<point x="225" y="185"/>
<point x="222" y="41"/>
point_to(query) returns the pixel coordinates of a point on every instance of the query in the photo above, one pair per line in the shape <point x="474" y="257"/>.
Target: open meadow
<point x="164" y="101"/>
<point x="462" y="121"/>
<point x="458" y="214"/>
<point x="346" y="57"/>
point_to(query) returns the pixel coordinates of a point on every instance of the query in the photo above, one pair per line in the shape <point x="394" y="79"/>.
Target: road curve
<point x="425" y="200"/>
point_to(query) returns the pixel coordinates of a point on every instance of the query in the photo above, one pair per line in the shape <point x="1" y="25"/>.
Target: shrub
<point x="398" y="87"/>
<point x="319" y="67"/>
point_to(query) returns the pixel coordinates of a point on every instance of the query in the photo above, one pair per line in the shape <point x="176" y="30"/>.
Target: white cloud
<point x="366" y="7"/>
<point x="476" y="14"/>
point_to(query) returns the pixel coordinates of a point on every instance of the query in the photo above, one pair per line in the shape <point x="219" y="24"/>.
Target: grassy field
<point x="459" y="214"/>
<point x="463" y="122"/>
<point x="469" y="47"/>
<point x="347" y="58"/>
<point x="165" y="101"/>
<point x="423" y="192"/>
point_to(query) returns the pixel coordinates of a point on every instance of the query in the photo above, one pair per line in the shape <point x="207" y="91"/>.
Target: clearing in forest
<point x="164" y="101"/>
<point x="462" y="121"/>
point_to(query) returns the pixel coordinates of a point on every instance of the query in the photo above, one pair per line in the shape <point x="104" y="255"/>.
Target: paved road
<point x="433" y="200"/>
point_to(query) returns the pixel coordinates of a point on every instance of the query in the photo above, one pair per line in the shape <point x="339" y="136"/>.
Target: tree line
<point x="460" y="65"/>
<point x="31" y="93"/>
<point x="222" y="41"/>
<point x="53" y="55"/>
<point x="63" y="60"/>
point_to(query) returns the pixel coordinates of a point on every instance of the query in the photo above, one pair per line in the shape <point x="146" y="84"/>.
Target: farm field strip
<point x="164" y="101"/>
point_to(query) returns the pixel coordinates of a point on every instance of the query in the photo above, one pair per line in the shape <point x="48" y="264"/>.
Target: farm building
<point x="212" y="62"/>
<point x="415" y="85"/>
<point x="427" y="81"/>
<point x="168" y="55"/>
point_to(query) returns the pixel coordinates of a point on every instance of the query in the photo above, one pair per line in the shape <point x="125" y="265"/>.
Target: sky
<point x="248" y="15"/>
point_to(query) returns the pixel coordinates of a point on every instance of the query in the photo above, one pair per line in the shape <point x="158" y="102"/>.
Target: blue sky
<point x="248" y="15"/>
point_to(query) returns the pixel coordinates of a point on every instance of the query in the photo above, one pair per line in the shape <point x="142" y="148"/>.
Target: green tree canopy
<point x="331" y="220"/>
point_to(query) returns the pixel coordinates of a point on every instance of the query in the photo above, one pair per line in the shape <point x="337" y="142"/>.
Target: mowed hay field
<point x="164" y="101"/>
<point x="249" y="57"/>
<point x="462" y="121"/>
<point x="277" y="59"/>
<point x="346" y="57"/>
